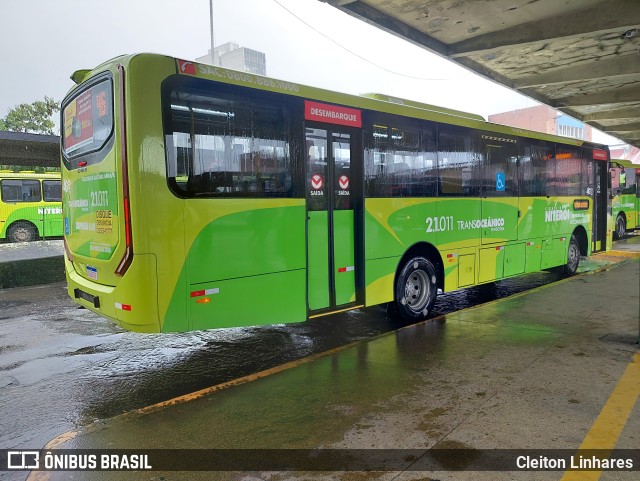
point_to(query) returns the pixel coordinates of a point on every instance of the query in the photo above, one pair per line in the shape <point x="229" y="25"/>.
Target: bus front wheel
<point x="621" y="227"/>
<point x="21" y="232"/>
<point x="416" y="289"/>
<point x="573" y="257"/>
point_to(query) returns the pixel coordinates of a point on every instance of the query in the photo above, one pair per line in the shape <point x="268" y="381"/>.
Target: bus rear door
<point x="334" y="259"/>
<point x="601" y="202"/>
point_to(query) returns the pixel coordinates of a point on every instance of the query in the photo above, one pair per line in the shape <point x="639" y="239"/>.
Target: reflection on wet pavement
<point x="61" y="366"/>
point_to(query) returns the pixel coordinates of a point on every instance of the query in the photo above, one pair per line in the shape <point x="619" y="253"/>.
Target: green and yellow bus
<point x="197" y="197"/>
<point x="30" y="206"/>
<point x="625" y="202"/>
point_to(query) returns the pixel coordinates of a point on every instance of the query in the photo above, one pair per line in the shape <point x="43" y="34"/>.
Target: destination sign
<point x="581" y="204"/>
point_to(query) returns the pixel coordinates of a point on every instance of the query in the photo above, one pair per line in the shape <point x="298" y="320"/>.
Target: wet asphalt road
<point x="62" y="367"/>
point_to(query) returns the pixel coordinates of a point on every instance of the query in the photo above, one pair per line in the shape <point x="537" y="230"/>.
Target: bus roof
<point x="5" y="174"/>
<point x="376" y="102"/>
<point x="625" y="163"/>
<point x="420" y="105"/>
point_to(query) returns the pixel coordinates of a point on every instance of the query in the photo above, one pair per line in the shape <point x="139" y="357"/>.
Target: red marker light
<point x="67" y="251"/>
<point x="127" y="257"/>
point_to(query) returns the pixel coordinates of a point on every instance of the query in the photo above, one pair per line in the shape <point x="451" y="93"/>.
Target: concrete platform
<point x="555" y="368"/>
<point x="31" y="263"/>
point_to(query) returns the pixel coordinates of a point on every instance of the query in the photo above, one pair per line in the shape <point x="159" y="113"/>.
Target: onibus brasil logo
<point x="52" y="460"/>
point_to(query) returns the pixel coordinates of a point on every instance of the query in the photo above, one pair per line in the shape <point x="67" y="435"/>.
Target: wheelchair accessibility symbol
<point x="500" y="181"/>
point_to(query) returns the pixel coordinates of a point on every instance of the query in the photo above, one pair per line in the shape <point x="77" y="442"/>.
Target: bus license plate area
<point x="80" y="294"/>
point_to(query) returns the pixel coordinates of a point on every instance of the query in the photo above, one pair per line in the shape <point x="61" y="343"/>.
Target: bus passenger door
<point x="333" y="268"/>
<point x="601" y="204"/>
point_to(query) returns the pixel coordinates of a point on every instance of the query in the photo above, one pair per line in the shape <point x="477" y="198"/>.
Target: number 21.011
<point x="439" y="224"/>
<point x="100" y="198"/>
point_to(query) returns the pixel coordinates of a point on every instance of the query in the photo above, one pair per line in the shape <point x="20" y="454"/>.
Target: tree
<point x="35" y="118"/>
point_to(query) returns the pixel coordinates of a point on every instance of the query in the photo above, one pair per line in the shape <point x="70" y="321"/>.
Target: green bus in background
<point x="197" y="197"/>
<point x="625" y="202"/>
<point x="30" y="206"/>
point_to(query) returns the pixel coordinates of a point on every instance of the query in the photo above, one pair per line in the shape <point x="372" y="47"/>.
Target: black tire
<point x="573" y="257"/>
<point x="22" y="231"/>
<point x="416" y="289"/>
<point x="621" y="227"/>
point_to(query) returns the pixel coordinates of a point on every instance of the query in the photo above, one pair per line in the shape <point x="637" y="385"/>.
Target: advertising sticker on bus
<point x="78" y="122"/>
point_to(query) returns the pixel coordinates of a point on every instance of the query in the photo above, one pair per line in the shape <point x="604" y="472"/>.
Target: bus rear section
<point x="625" y="202"/>
<point x="100" y="265"/>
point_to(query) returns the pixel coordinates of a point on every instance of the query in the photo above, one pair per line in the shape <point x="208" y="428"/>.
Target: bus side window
<point x="52" y="190"/>
<point x="225" y="145"/>
<point x="21" y="190"/>
<point x="536" y="169"/>
<point x="11" y="190"/>
<point x="31" y="191"/>
<point x="631" y="182"/>
<point x="460" y="161"/>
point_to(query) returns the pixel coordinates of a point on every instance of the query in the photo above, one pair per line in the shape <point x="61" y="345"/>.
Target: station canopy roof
<point x="581" y="57"/>
<point x="29" y="150"/>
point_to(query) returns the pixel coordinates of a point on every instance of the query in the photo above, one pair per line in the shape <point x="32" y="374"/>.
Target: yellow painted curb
<point x="617" y="254"/>
<point x="608" y="426"/>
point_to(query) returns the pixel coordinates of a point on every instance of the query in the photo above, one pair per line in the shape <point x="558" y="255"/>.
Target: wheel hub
<point x="574" y="255"/>
<point x="22" y="234"/>
<point x="416" y="290"/>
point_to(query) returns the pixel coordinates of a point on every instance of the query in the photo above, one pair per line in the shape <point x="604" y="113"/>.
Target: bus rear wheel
<point x="416" y="289"/>
<point x="621" y="227"/>
<point x="573" y="257"/>
<point x="21" y="232"/>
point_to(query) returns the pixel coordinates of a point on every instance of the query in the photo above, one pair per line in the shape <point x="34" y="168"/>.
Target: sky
<point x="42" y="42"/>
